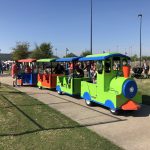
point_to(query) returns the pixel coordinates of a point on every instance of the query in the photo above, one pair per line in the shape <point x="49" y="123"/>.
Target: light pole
<point x="91" y="26"/>
<point x="140" y="15"/>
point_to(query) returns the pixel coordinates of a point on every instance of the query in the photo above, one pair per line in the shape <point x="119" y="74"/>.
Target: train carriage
<point x="69" y="84"/>
<point x="113" y="88"/>
<point x="27" y="72"/>
<point x="46" y="74"/>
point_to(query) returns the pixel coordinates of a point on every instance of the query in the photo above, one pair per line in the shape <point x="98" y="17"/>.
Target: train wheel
<point x="114" y="111"/>
<point x="88" y="103"/>
<point x="59" y="92"/>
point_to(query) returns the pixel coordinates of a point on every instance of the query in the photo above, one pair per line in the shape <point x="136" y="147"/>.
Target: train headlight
<point x="132" y="89"/>
<point x="129" y="89"/>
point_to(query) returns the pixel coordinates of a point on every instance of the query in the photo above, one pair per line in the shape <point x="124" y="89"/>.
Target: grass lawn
<point x="26" y="123"/>
<point x="144" y="88"/>
<point x="7" y="72"/>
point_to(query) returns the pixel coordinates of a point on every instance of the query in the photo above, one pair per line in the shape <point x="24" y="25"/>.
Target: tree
<point x="85" y="53"/>
<point x="20" y="51"/>
<point x="134" y="58"/>
<point x="145" y="57"/>
<point x="42" y="51"/>
<point x="71" y="55"/>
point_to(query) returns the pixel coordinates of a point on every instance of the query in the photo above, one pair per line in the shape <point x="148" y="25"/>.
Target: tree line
<point x="45" y="50"/>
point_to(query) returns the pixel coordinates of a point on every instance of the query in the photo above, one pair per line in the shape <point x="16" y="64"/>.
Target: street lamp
<point x="140" y="15"/>
<point x="91" y="26"/>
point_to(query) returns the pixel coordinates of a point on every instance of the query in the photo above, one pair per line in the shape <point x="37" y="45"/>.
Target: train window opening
<point x="116" y="63"/>
<point x="107" y="65"/>
<point x="99" y="67"/>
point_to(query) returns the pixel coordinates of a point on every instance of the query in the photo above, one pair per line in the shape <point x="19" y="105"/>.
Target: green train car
<point x="72" y="86"/>
<point x="113" y="87"/>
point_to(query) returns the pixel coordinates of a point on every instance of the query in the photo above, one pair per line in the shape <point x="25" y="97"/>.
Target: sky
<point x="66" y="24"/>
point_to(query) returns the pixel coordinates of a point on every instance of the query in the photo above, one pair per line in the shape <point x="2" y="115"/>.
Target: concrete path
<point x="129" y="131"/>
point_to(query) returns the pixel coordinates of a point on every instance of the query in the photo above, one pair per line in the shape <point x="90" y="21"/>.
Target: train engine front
<point x="126" y="91"/>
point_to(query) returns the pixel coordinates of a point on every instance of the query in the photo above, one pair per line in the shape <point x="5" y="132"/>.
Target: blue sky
<point x="66" y="24"/>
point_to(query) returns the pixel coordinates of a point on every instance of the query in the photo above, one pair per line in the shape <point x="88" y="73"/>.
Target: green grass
<point x="144" y="88"/>
<point x="26" y="123"/>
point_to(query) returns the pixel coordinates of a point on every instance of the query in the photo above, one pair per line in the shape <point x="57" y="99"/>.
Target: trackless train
<point x="112" y="87"/>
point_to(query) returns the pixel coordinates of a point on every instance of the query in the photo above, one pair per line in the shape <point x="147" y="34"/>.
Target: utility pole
<point x="91" y="27"/>
<point x="140" y="15"/>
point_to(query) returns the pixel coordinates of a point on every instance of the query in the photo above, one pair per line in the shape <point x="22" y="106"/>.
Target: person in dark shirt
<point x="79" y="73"/>
<point x="59" y="69"/>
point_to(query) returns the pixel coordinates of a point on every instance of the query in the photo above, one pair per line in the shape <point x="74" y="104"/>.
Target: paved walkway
<point x="129" y="131"/>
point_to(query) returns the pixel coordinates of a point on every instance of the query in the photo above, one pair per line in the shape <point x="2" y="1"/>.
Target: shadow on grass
<point x="30" y="105"/>
<point x="57" y="128"/>
<point x="41" y="128"/>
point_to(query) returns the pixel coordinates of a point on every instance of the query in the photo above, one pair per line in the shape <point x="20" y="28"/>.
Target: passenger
<point x="70" y="68"/>
<point x="46" y="71"/>
<point x="28" y="69"/>
<point x="79" y="73"/>
<point x="59" y="69"/>
<point x="93" y="72"/>
<point x="124" y="63"/>
<point x="14" y="73"/>
<point x="87" y="68"/>
<point x="115" y="65"/>
<point x="34" y="68"/>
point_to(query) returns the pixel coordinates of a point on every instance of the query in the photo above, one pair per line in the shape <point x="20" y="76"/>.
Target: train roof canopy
<point x="68" y="59"/>
<point x="46" y="60"/>
<point x="102" y="56"/>
<point x="27" y="60"/>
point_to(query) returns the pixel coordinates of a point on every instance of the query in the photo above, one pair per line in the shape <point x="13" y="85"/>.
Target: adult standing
<point x="146" y="68"/>
<point x="14" y="73"/>
<point x="1" y="67"/>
